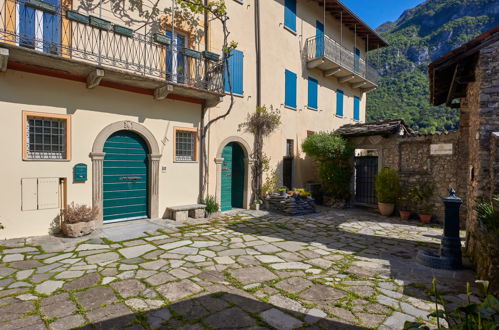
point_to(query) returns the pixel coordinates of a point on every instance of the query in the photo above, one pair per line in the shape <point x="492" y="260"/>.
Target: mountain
<point x="419" y="36"/>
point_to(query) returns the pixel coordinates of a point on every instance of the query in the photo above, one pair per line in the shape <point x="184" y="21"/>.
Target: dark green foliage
<point x="480" y="316"/>
<point x="419" y="36"/>
<point x="211" y="204"/>
<point x="387" y="186"/>
<point x="333" y="155"/>
<point x="487" y="215"/>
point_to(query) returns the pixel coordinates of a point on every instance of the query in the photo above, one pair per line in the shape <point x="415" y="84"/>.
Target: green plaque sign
<point x="80" y="172"/>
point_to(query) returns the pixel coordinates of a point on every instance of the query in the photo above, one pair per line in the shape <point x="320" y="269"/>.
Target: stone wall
<point x="480" y="122"/>
<point x="411" y="157"/>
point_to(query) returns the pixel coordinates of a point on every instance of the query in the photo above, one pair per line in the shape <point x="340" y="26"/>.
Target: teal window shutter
<point x="339" y="103"/>
<point x="236" y="69"/>
<point x="356" y="108"/>
<point x="290" y="89"/>
<point x="357" y="60"/>
<point x="290" y="14"/>
<point x="313" y="93"/>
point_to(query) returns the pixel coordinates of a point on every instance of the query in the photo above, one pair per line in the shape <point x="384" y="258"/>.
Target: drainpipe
<point x="203" y="113"/>
<point x="258" y="55"/>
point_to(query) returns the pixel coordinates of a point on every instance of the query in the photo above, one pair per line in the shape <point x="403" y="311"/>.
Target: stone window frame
<point x="43" y="115"/>
<point x="194" y="132"/>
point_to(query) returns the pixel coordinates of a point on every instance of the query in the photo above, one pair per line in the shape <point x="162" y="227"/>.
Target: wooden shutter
<point x="290" y="14"/>
<point x="313" y="91"/>
<point x="356" y="108"/>
<point x="339" y="103"/>
<point x="236" y="69"/>
<point x="290" y="89"/>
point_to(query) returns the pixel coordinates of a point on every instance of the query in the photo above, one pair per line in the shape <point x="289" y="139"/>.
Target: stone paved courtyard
<point x="332" y="270"/>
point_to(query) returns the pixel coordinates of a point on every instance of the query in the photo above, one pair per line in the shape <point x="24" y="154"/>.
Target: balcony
<point x="36" y="35"/>
<point x="327" y="55"/>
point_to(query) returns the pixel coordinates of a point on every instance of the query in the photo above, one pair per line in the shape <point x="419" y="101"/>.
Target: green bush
<point x="211" y="204"/>
<point x="387" y="186"/>
<point x="333" y="154"/>
<point x="487" y="216"/>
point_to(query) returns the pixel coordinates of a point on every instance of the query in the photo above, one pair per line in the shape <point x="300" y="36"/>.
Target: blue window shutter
<point x="357" y="60"/>
<point x="313" y="93"/>
<point x="339" y="103"/>
<point x="319" y="39"/>
<point x="236" y="68"/>
<point x="290" y="87"/>
<point x="290" y="14"/>
<point x="356" y="108"/>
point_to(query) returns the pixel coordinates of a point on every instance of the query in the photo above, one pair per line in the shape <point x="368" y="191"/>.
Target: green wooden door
<point x="125" y="177"/>
<point x="232" y="192"/>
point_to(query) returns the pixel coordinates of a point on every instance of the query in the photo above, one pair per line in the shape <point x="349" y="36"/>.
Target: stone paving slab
<point x="330" y="270"/>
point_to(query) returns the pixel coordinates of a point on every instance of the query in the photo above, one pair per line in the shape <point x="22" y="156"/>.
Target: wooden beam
<point x="345" y="79"/>
<point x="94" y="78"/>
<point x="359" y="84"/>
<point x="452" y="86"/>
<point x="332" y="72"/>
<point x="162" y="92"/>
<point x="315" y="63"/>
<point x="4" y="59"/>
<point x="367" y="90"/>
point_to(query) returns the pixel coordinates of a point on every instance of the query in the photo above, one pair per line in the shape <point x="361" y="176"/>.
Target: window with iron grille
<point x="185" y="146"/>
<point x="46" y="138"/>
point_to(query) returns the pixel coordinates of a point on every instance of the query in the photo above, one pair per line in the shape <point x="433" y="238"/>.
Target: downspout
<point x="202" y="149"/>
<point x="258" y="55"/>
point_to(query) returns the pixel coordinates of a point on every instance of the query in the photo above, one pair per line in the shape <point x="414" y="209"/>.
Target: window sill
<point x="46" y="160"/>
<point x="290" y="30"/>
<point x="338" y="116"/>
<point x="185" y="161"/>
<point x="291" y="108"/>
<point x="235" y="94"/>
<point x="313" y="109"/>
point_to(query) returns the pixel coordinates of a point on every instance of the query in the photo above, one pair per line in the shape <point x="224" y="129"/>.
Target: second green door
<point x="232" y="177"/>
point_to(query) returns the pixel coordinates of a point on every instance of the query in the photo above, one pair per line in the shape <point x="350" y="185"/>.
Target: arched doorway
<point x="233" y="177"/>
<point x="107" y="141"/>
<point x="126" y="177"/>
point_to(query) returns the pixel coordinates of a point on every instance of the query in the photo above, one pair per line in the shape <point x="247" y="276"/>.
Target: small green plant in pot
<point x="387" y="186"/>
<point x="405" y="203"/>
<point x="211" y="203"/>
<point x="425" y="209"/>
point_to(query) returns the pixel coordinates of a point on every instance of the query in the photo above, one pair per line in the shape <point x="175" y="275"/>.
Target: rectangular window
<point x="339" y="103"/>
<point x="236" y="69"/>
<point x="313" y="93"/>
<point x="290" y="14"/>
<point x="46" y="136"/>
<point x="185" y="144"/>
<point x="290" y="89"/>
<point x="356" y="108"/>
<point x="290" y="148"/>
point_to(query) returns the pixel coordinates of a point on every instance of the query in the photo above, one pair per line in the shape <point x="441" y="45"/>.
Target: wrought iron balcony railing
<point x="325" y="47"/>
<point x="47" y="28"/>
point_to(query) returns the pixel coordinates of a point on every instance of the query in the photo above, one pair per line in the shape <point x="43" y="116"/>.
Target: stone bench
<point x="182" y="212"/>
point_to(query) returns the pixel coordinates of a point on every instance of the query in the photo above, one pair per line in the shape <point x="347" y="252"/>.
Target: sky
<point x="378" y="12"/>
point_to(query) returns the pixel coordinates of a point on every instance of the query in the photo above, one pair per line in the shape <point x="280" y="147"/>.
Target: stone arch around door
<point x="248" y="161"/>
<point x="97" y="156"/>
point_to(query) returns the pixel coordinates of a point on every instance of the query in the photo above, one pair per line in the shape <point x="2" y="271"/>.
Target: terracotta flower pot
<point x="78" y="229"/>
<point x="386" y="209"/>
<point x="405" y="215"/>
<point x="425" y="218"/>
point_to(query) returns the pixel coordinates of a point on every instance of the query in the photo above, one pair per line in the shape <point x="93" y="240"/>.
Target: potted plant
<point x="425" y="192"/>
<point x="256" y="205"/>
<point x="283" y="191"/>
<point x="408" y="198"/>
<point x="212" y="206"/>
<point x="78" y="220"/>
<point x="387" y="186"/>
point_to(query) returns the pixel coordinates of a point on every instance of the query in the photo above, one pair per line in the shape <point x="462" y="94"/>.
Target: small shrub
<point x="387" y="186"/>
<point x="425" y="193"/>
<point x="487" y="216"/>
<point x="75" y="213"/>
<point x="211" y="204"/>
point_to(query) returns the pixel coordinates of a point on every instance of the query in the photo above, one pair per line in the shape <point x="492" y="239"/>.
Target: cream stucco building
<point x="106" y="107"/>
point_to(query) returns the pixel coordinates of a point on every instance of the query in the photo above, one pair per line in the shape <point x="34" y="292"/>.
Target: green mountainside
<point x="419" y="36"/>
